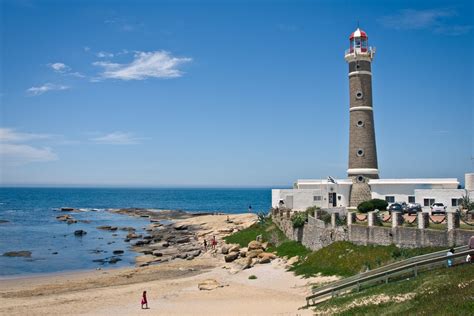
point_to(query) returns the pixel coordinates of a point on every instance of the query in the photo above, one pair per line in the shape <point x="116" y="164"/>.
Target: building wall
<point x="441" y="196"/>
<point x="316" y="234"/>
<point x="304" y="198"/>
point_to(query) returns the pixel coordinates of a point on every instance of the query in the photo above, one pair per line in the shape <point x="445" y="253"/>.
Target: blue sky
<point x="227" y="93"/>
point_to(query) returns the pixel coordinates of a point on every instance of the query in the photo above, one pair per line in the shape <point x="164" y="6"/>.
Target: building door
<point x="332" y="199"/>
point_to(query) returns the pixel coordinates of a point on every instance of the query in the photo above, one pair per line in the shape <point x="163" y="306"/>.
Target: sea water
<point x="32" y="224"/>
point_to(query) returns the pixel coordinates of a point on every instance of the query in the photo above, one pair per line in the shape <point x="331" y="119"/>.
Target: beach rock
<point x="113" y="228"/>
<point x="145" y="259"/>
<point x="231" y="256"/>
<point x="183" y="240"/>
<point x="243" y="252"/>
<point x="3" y="221"/>
<point x="67" y="209"/>
<point x="180" y="227"/>
<point x="133" y="236"/>
<point x="54" y="253"/>
<point x="148" y="237"/>
<point x="196" y="253"/>
<point x="80" y="232"/>
<point x="226" y="230"/>
<point x="157" y="253"/>
<point x="104" y="227"/>
<point x="264" y="260"/>
<point x="189" y="257"/>
<point x="114" y="260"/>
<point x="209" y="285"/>
<point x="265" y="246"/>
<point x="225" y="249"/>
<point x="71" y="221"/>
<point x="118" y="252"/>
<point x="292" y="261"/>
<point x="266" y="257"/>
<point x="64" y="218"/>
<point x="21" y="253"/>
<point x="182" y="256"/>
<point x="126" y="240"/>
<point x="254" y="253"/>
<point x="234" y="248"/>
<point x="130" y="229"/>
<point x="254" y="245"/>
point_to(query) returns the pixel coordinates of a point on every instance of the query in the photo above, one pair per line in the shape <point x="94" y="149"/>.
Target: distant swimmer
<point x="250" y="208"/>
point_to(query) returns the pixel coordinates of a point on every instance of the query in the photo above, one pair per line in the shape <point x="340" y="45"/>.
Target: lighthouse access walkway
<point x="382" y="275"/>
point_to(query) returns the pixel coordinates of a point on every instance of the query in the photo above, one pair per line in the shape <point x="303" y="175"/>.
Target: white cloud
<point x="117" y="138"/>
<point x="45" y="88"/>
<point x="102" y="54"/>
<point x="10" y="135"/>
<point x="59" y="67"/>
<point x="158" y="64"/>
<point x="434" y="19"/>
<point x="21" y="154"/>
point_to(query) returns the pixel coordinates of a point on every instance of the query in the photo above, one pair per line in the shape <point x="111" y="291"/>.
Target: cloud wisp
<point x="10" y="135"/>
<point x="117" y="138"/>
<point x="158" y="64"/>
<point x="60" y="67"/>
<point x="45" y="88"/>
<point x="432" y="19"/>
<point x="14" y="151"/>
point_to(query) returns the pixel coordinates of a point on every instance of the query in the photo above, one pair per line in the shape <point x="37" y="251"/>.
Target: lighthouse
<point x="362" y="149"/>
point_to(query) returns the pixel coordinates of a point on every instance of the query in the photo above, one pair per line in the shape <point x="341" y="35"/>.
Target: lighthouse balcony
<point x="359" y="53"/>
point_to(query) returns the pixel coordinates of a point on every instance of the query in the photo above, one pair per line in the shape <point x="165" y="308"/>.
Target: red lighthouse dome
<point x="358" y="41"/>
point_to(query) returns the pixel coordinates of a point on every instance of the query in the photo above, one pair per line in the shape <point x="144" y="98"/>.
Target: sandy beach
<point x="172" y="286"/>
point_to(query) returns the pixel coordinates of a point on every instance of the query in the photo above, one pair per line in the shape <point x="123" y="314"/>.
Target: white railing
<point x="359" y="51"/>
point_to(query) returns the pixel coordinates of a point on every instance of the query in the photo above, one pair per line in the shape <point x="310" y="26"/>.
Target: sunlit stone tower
<point x="362" y="149"/>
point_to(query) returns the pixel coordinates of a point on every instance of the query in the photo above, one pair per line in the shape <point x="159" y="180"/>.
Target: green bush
<point x="298" y="219"/>
<point x="379" y="204"/>
<point x="324" y="216"/>
<point x="366" y="206"/>
<point x="311" y="210"/>
<point x="252" y="277"/>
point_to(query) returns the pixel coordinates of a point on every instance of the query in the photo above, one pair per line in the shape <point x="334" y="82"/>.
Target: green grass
<point x="345" y="259"/>
<point x="277" y="241"/>
<point x="444" y="291"/>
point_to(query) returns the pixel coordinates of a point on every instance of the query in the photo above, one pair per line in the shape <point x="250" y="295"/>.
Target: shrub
<point x="379" y="204"/>
<point x="365" y="207"/>
<point x="311" y="210"/>
<point x="252" y="277"/>
<point x="298" y="219"/>
<point x="324" y="216"/>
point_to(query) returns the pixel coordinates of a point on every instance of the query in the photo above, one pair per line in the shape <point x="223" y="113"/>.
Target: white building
<point x="335" y="193"/>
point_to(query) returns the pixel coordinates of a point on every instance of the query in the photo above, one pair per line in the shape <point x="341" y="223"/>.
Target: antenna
<point x="357" y="23"/>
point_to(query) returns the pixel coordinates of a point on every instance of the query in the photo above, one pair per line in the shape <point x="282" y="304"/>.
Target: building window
<point x="317" y="198"/>
<point x="360" y="152"/>
<point x="360" y="179"/>
<point x="428" y="202"/>
<point x="360" y="123"/>
<point x="390" y="199"/>
<point x="455" y="202"/>
<point x="359" y="95"/>
<point x="411" y="199"/>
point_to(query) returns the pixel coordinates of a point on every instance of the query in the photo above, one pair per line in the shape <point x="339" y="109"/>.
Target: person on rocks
<point x="205" y="244"/>
<point x="250" y="208"/>
<point x="144" y="301"/>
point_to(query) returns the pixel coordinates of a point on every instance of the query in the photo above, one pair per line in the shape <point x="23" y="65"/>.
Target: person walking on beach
<point x="205" y="244"/>
<point x="250" y="208"/>
<point x="213" y="242"/>
<point x="144" y="301"/>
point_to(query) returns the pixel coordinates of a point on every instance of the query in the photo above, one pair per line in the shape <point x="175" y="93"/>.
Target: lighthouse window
<point x="360" y="179"/>
<point x="360" y="123"/>
<point x="360" y="152"/>
<point x="359" y="95"/>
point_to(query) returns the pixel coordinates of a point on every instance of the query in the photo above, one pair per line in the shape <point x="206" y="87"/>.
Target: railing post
<point x="333" y="220"/>
<point x="351" y="218"/>
<point x="396" y="219"/>
<point x="371" y="219"/>
<point x="452" y="220"/>
<point x="415" y="270"/>
<point x="423" y="220"/>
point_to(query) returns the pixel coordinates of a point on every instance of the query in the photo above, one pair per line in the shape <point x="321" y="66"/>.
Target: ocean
<point x="32" y="225"/>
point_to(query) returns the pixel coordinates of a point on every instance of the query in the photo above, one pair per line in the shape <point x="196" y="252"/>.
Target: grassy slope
<point x="345" y="259"/>
<point x="444" y="291"/>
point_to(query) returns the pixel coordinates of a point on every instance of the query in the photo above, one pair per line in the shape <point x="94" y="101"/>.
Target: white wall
<point x="441" y="196"/>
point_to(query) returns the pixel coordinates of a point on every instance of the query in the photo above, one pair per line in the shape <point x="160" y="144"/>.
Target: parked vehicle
<point x="413" y="208"/>
<point x="438" y="208"/>
<point x="395" y="207"/>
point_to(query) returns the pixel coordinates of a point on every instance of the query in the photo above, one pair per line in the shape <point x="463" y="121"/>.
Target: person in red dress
<point x="144" y="301"/>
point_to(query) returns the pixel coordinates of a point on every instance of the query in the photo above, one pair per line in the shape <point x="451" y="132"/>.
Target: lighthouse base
<point x="360" y="191"/>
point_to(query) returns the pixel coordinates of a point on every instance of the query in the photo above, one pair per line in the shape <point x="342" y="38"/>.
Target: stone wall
<point x="316" y="234"/>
